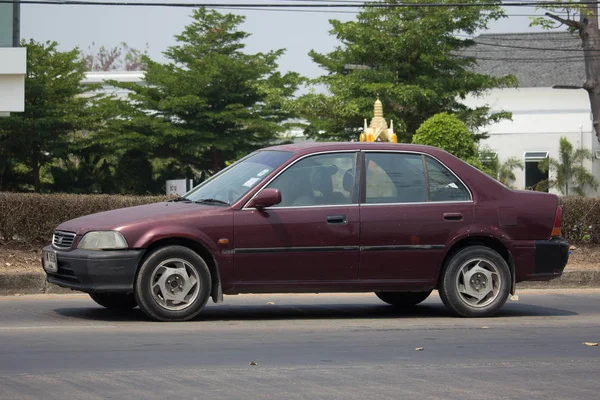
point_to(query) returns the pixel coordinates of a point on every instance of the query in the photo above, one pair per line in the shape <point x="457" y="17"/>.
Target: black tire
<point x="451" y="278"/>
<point x="150" y="303"/>
<point x="403" y="300"/>
<point x="115" y="301"/>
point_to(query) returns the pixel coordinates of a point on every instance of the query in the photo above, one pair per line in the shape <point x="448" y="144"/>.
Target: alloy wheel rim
<point x="175" y="284"/>
<point x="478" y="282"/>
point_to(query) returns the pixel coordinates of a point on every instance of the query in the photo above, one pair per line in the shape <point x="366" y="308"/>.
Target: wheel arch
<point x="216" y="291"/>
<point x="487" y="241"/>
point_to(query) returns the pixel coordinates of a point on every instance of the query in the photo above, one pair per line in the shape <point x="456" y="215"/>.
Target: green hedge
<point x="31" y="218"/>
<point x="581" y="220"/>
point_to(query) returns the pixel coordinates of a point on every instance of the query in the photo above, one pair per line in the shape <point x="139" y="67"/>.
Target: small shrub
<point x="448" y="132"/>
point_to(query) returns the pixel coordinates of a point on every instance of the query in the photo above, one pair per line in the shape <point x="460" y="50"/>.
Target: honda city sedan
<point x="394" y="219"/>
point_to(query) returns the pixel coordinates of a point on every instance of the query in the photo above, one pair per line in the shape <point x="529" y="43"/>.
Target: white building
<point x="13" y="62"/>
<point x="541" y="114"/>
<point x="100" y="77"/>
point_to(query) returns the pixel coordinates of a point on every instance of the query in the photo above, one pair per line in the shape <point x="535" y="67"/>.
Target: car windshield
<point x="235" y="181"/>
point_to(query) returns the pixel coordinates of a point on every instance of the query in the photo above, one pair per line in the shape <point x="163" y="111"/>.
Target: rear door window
<point x="395" y="178"/>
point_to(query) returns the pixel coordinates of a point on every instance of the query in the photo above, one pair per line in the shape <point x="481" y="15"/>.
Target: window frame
<point x="534" y="158"/>
<point x="363" y="180"/>
<point x="355" y="189"/>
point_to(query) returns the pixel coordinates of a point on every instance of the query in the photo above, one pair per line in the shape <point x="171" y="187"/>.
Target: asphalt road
<point x="304" y="347"/>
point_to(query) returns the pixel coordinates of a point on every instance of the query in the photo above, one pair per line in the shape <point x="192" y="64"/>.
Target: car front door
<point x="311" y="237"/>
<point x="412" y="206"/>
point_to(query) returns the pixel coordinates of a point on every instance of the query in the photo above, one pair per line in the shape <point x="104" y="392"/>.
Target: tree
<point x="570" y="174"/>
<point x="54" y="108"/>
<point x="581" y="19"/>
<point x="410" y="57"/>
<point x="210" y="103"/>
<point x="120" y="57"/>
<point x="448" y="132"/>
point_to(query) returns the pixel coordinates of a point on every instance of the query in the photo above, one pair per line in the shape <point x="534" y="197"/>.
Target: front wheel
<point x="476" y="282"/>
<point x="403" y="299"/>
<point x="173" y="284"/>
<point x="114" y="301"/>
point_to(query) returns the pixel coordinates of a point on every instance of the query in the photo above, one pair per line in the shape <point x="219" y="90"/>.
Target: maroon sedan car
<point x="398" y="220"/>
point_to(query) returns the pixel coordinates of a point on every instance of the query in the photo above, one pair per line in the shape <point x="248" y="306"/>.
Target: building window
<point x="534" y="178"/>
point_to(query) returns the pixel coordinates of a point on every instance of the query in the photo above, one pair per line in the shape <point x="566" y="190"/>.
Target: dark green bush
<point x="31" y="218"/>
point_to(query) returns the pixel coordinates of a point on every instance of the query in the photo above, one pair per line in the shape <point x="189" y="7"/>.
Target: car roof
<point x="312" y="147"/>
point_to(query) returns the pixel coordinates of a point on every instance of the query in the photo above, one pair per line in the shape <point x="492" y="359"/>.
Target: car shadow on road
<point x="227" y="312"/>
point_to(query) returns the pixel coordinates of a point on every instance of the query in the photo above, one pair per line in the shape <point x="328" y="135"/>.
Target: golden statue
<point x="378" y="131"/>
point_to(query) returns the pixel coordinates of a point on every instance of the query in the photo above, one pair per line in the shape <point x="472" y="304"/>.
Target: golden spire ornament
<point x="378" y="130"/>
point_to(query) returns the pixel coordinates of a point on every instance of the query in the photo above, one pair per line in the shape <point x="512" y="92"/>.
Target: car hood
<point x="124" y="217"/>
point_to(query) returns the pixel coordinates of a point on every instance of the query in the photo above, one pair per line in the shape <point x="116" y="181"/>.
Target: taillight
<point x="557" y="228"/>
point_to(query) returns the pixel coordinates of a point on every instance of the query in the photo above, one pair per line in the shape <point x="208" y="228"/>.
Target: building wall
<point x="12" y="79"/>
<point x="541" y="116"/>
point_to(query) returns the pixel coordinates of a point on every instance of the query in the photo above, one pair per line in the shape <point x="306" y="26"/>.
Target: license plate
<point x="50" y="262"/>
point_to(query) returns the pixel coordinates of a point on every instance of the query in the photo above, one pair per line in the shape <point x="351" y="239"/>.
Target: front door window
<point x="326" y="179"/>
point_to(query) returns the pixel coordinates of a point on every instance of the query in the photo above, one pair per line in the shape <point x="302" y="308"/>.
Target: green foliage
<point x="210" y="103"/>
<point x="566" y="11"/>
<point x="410" y="57"/>
<point x="54" y="108"/>
<point x="570" y="174"/>
<point x="448" y="132"/>
<point x="134" y="173"/>
<point x="504" y="172"/>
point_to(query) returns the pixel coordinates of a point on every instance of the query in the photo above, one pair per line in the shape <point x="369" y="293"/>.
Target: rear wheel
<point x="114" y="301"/>
<point x="173" y="284"/>
<point x="476" y="282"/>
<point x="403" y="299"/>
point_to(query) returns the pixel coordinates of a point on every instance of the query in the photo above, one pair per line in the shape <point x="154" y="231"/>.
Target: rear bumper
<point x="96" y="271"/>
<point x="551" y="257"/>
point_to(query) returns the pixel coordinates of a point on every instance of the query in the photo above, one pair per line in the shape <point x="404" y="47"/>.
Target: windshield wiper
<point x="212" y="201"/>
<point x="181" y="198"/>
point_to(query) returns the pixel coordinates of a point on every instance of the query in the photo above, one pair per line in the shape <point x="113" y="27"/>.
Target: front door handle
<point x="336" y="219"/>
<point x="453" y="216"/>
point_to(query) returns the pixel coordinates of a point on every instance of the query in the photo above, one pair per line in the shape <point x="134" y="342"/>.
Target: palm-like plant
<point x="502" y="172"/>
<point x="506" y="174"/>
<point x="570" y="174"/>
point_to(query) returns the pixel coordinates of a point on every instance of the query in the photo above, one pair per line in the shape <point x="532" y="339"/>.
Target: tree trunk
<point x="590" y="39"/>
<point x="35" y="172"/>
<point x="216" y="165"/>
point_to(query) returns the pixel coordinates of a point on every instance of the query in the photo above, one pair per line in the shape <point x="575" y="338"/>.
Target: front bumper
<point x="95" y="271"/>
<point x="551" y="257"/>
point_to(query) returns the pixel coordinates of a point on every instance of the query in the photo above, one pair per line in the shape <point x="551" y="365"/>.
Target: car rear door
<point x="311" y="237"/>
<point x="412" y="206"/>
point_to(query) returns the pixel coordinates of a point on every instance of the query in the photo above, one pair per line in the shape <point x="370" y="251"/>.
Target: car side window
<point x="443" y="184"/>
<point x="395" y="178"/>
<point x="324" y="179"/>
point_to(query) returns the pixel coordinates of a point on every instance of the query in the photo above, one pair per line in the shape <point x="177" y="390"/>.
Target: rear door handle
<point x="453" y="216"/>
<point x="336" y="219"/>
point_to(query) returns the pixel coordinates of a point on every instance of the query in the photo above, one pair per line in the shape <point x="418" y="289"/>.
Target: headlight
<point x="105" y="240"/>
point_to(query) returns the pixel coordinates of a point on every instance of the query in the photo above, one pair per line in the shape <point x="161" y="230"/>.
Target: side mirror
<point x="266" y="198"/>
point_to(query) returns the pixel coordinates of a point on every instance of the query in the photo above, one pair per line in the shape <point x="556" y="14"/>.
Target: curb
<point x="35" y="283"/>
<point x="28" y="283"/>
<point x="574" y="279"/>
